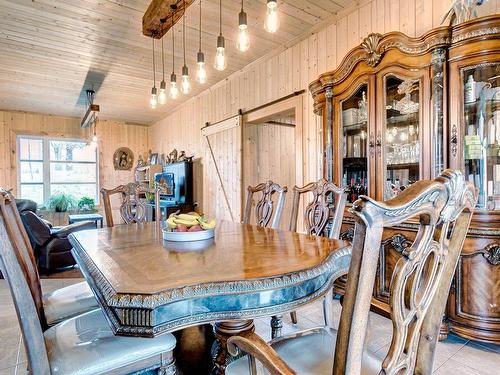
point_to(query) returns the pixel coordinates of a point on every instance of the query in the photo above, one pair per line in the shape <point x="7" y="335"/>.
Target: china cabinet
<point x="399" y="109"/>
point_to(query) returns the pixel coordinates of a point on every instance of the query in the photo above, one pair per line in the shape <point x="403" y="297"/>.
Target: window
<point x="51" y="166"/>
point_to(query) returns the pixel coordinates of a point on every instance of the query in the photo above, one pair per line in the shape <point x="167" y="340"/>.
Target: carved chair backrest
<point x="422" y="276"/>
<point x="264" y="207"/>
<point x="132" y="208"/>
<point x="327" y="205"/>
<point x="13" y="238"/>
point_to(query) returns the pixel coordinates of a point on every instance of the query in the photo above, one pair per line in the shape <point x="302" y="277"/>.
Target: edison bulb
<point x="162" y="96"/>
<point x="174" y="91"/>
<point x="272" y="20"/>
<point x="94" y="138"/>
<point x="185" y="85"/>
<point x="153" y="102"/>
<point x="220" y="59"/>
<point x="243" y="38"/>
<point x="201" y="73"/>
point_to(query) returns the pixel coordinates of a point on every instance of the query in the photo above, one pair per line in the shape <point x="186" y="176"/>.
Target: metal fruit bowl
<point x="188" y="236"/>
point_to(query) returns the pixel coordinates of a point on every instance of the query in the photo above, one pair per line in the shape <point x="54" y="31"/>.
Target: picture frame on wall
<point x="153" y="159"/>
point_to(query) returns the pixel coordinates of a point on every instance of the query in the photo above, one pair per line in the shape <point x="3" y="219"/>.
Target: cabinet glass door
<point x="354" y="120"/>
<point x="402" y="129"/>
<point x="481" y="120"/>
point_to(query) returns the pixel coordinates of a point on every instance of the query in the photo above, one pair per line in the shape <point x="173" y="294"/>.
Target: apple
<point x="181" y="228"/>
<point x="195" y="228"/>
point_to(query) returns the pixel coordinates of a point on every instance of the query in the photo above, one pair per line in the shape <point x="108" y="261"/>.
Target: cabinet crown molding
<point x="373" y="48"/>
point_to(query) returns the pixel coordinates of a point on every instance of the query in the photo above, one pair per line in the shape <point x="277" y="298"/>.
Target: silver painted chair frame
<point x="420" y="285"/>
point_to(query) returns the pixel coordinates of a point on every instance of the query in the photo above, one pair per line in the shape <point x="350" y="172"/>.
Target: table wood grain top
<point x="135" y="260"/>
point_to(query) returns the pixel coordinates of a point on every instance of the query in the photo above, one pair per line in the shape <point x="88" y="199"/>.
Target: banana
<point x="187" y="223"/>
<point x="194" y="213"/>
<point x="188" y="217"/>
<point x="209" y="225"/>
<point x="171" y="224"/>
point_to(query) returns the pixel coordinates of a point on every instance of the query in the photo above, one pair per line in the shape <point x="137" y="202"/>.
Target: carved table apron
<point x="147" y="288"/>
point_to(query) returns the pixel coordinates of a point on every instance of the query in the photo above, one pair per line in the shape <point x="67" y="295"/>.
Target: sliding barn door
<point x="222" y="170"/>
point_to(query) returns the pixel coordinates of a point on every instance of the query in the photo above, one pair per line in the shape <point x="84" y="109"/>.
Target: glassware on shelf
<point x="481" y="124"/>
<point x="402" y="143"/>
<point x="355" y="143"/>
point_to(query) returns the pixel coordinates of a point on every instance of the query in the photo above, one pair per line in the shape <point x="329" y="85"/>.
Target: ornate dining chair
<point x="419" y="289"/>
<point x="62" y="303"/>
<point x="132" y="207"/>
<point x="83" y="344"/>
<point x="322" y="215"/>
<point x="264" y="207"/>
<point x="324" y="212"/>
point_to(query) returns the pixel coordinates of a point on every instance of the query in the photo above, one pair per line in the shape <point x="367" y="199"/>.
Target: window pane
<point x="72" y="172"/>
<point x="33" y="192"/>
<point x="31" y="171"/>
<point x="30" y="149"/>
<point x="72" y="151"/>
<point x="76" y="191"/>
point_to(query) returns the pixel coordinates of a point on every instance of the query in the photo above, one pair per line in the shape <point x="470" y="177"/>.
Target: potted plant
<point x="86" y="204"/>
<point x="61" y="202"/>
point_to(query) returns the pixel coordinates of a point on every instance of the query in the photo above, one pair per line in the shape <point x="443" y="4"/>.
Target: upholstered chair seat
<point x="68" y="302"/>
<point x="310" y="352"/>
<point x="86" y="345"/>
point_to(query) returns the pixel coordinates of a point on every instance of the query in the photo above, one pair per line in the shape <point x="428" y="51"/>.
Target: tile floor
<point x="455" y="356"/>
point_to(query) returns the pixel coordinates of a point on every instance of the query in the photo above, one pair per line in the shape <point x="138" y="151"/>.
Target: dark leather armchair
<point x="51" y="244"/>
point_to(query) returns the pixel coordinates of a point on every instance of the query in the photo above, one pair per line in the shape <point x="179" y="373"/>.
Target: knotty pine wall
<point x="111" y="135"/>
<point x="284" y="71"/>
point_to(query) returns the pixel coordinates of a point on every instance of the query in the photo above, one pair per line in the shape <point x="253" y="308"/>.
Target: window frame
<point x="46" y="182"/>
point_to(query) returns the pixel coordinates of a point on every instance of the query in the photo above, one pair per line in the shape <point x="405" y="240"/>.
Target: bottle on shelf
<point x="470" y="90"/>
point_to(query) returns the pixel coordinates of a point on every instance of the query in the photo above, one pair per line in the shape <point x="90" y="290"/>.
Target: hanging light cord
<point x="220" y="16"/>
<point x="242" y="5"/>
<point x="162" y="60"/>
<point x="184" y="31"/>
<point x="173" y="47"/>
<point x="200" y="26"/>
<point x="154" y="65"/>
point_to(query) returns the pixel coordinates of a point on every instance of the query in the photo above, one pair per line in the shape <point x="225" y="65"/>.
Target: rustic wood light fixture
<point x="161" y="15"/>
<point x="90" y="116"/>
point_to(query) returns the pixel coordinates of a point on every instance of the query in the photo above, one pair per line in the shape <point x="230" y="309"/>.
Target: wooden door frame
<point x="265" y="114"/>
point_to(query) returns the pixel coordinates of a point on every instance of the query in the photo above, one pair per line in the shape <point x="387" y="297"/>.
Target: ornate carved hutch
<point x="399" y="109"/>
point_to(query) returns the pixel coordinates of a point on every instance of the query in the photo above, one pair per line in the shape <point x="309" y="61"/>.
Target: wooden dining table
<point x="147" y="286"/>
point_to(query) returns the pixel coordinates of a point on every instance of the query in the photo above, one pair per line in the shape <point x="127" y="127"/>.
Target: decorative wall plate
<point x="123" y="158"/>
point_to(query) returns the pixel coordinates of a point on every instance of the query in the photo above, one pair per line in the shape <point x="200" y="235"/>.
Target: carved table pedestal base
<point x="224" y="330"/>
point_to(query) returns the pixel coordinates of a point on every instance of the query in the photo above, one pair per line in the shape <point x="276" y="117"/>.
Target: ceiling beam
<point x="161" y="15"/>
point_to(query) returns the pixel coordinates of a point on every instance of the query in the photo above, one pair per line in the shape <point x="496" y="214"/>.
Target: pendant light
<point x="243" y="39"/>
<point x="154" y="99"/>
<point x="201" y="73"/>
<point x="272" y="20"/>
<point x="162" y="97"/>
<point x="94" y="132"/>
<point x="185" y="84"/>
<point x="220" y="58"/>
<point x="174" y="91"/>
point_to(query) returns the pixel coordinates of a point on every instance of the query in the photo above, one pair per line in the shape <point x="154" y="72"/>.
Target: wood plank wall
<point x="287" y="70"/>
<point x="269" y="154"/>
<point x="111" y="135"/>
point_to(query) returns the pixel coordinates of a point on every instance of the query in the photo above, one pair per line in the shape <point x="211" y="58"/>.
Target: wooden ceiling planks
<point x="48" y="51"/>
